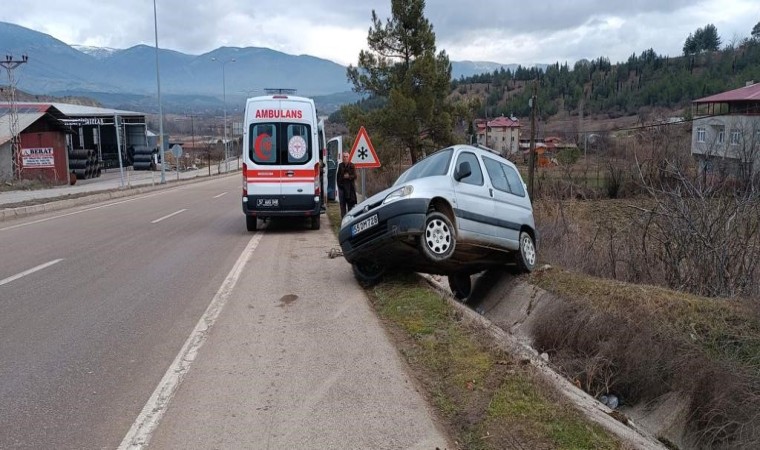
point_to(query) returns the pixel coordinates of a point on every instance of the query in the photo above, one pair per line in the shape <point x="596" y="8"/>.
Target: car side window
<point x="497" y="175"/>
<point x="514" y="180"/>
<point x="476" y="177"/>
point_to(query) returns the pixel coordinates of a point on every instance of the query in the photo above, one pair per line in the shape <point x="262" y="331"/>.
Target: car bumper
<point x="288" y="206"/>
<point x="397" y="221"/>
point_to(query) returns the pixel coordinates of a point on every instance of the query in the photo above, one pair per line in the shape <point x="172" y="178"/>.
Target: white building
<point x="726" y="132"/>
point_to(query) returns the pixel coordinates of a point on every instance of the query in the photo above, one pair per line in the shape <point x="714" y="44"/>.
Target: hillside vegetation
<point x="647" y="80"/>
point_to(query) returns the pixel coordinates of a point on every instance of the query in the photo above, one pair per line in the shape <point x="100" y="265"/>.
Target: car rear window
<point x="280" y="143"/>
<point x="433" y="165"/>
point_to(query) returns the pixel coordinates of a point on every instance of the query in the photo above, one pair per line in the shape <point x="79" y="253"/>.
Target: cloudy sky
<point x="527" y="32"/>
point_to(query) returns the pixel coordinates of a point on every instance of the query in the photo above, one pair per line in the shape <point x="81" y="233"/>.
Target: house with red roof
<point x="726" y="131"/>
<point x="501" y="134"/>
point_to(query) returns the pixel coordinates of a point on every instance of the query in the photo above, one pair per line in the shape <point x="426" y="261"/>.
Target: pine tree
<point x="756" y="31"/>
<point x="402" y="67"/>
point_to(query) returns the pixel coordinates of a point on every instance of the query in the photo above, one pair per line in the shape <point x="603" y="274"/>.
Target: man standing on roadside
<point x="346" y="189"/>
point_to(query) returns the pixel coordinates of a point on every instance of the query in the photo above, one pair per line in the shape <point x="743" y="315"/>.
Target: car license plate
<point x="267" y="202"/>
<point x="365" y="224"/>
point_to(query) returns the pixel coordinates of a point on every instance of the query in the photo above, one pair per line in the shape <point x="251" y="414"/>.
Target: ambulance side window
<point x="264" y="143"/>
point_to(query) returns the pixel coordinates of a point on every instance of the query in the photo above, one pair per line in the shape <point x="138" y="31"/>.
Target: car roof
<point x="481" y="149"/>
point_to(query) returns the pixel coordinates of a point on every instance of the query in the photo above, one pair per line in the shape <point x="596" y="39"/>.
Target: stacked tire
<point x="143" y="159"/>
<point x="84" y="164"/>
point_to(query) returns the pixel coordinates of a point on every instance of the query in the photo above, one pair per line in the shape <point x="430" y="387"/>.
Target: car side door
<point x="474" y="208"/>
<point x="510" y="202"/>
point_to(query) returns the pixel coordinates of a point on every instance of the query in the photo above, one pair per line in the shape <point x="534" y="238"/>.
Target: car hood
<point x="372" y="202"/>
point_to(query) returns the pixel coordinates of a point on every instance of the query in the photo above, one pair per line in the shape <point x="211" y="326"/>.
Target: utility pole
<point x="580" y="129"/>
<point x="10" y="64"/>
<point x="160" y="107"/>
<point x="532" y="164"/>
<point x="192" y="132"/>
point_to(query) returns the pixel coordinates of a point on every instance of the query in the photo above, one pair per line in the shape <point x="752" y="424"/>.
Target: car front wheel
<point x="438" y="239"/>
<point x="368" y="273"/>
<point x="526" y="259"/>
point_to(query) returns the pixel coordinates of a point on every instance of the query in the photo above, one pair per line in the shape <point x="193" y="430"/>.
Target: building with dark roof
<point x="726" y="132"/>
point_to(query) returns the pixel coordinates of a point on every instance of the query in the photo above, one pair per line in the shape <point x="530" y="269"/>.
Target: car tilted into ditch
<point x="457" y="212"/>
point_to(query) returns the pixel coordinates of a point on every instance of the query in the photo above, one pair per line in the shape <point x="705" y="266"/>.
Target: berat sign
<point x="279" y="114"/>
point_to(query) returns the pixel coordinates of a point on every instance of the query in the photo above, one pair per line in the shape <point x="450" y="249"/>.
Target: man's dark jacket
<point x="346" y="185"/>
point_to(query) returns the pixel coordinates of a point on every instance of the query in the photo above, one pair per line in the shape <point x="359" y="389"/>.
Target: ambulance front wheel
<point x="252" y="223"/>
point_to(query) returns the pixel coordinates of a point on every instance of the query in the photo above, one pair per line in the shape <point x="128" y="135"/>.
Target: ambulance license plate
<point x="267" y="202"/>
<point x="365" y="224"/>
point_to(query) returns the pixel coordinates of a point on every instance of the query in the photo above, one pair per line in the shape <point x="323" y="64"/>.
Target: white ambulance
<point x="282" y="143"/>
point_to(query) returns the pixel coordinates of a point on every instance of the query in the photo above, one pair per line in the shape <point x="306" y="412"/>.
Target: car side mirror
<point x="463" y="171"/>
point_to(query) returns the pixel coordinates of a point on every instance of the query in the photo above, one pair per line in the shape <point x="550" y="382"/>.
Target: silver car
<point x="457" y="212"/>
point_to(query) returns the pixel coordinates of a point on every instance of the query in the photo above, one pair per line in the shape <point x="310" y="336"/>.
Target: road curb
<point x="95" y="197"/>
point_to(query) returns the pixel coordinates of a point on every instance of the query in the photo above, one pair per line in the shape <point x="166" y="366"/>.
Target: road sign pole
<point x="364" y="185"/>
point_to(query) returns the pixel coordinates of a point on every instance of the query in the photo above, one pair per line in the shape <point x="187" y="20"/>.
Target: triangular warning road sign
<point x="363" y="153"/>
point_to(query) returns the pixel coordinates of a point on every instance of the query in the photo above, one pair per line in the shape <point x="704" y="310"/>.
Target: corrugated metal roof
<point x="24" y="121"/>
<point x="746" y="93"/>
<point x="74" y="110"/>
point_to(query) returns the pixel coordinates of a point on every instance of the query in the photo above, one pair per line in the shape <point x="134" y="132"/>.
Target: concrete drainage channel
<point x="503" y="307"/>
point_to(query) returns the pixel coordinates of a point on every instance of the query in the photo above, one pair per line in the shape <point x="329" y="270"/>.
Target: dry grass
<point x="641" y="342"/>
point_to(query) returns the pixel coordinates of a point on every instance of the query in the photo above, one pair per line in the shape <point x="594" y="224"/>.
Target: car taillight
<point x="245" y="180"/>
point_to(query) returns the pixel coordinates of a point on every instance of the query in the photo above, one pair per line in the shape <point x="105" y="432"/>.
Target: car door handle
<point x="289" y="173"/>
<point x="490" y="192"/>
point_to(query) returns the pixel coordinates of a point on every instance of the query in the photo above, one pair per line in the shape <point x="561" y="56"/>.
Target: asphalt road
<point x="96" y="304"/>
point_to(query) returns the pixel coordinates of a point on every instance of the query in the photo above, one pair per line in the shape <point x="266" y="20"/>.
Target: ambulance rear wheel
<point x="315" y="222"/>
<point x="251" y="222"/>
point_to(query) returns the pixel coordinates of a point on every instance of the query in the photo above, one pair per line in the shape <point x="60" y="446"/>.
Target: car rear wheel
<point x="315" y="222"/>
<point x="251" y="222"/>
<point x="460" y="285"/>
<point x="526" y="259"/>
<point x="438" y="240"/>
<point x="368" y="273"/>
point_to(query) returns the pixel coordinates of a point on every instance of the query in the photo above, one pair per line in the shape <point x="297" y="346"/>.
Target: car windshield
<point x="435" y="164"/>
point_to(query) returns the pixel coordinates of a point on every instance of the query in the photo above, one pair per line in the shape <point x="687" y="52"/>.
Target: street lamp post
<point x="224" y="99"/>
<point x="160" y="108"/>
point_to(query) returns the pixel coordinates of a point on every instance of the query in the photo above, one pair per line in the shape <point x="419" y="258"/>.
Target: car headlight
<point x="346" y="219"/>
<point x="401" y="192"/>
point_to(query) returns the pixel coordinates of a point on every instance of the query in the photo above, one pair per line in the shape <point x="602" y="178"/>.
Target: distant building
<point x="42" y="142"/>
<point x="501" y="134"/>
<point x="726" y="132"/>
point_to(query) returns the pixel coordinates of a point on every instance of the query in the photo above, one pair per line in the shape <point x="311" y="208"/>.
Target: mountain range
<point x="126" y="78"/>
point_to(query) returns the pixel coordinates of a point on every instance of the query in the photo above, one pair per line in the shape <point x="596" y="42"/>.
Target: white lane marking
<point x="170" y="215"/>
<point x="142" y="429"/>
<point x="82" y="211"/>
<point x="221" y="195"/>
<point x="30" y="271"/>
